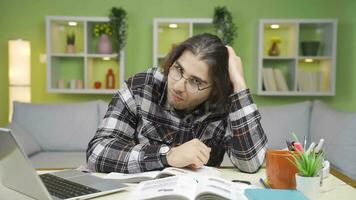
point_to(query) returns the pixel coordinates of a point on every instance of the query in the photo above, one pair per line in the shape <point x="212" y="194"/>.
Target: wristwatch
<point x="163" y="151"/>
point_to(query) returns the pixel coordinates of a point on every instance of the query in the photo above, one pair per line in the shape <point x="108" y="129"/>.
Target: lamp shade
<point x="19" y="63"/>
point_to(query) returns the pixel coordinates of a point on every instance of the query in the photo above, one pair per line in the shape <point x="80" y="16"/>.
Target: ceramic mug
<point x="280" y="170"/>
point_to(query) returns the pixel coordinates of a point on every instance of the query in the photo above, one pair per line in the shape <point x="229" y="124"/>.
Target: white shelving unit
<point x="86" y="64"/>
<point x="165" y="37"/>
<point x="304" y="72"/>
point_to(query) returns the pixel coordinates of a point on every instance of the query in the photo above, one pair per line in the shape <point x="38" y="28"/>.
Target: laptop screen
<point x="16" y="170"/>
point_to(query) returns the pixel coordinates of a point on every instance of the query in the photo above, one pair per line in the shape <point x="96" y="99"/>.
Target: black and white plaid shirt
<point x="139" y="121"/>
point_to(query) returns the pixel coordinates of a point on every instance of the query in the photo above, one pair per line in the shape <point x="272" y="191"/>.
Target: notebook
<point x="275" y="194"/>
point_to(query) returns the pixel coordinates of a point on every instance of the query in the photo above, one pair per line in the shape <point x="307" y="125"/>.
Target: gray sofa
<point x="315" y="120"/>
<point x="56" y="135"/>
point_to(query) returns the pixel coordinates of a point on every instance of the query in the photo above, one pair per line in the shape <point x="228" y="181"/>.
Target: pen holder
<point x="280" y="170"/>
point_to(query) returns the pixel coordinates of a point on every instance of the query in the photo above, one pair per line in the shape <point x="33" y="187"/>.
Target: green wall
<point x="26" y="19"/>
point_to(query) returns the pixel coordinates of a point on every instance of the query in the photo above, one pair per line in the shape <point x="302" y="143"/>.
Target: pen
<point x="242" y="181"/>
<point x="311" y="147"/>
<point x="319" y="146"/>
<point x="289" y="145"/>
<point x="264" y="183"/>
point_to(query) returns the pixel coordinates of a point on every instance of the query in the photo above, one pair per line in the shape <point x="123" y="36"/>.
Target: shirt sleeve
<point x="245" y="139"/>
<point x="115" y="148"/>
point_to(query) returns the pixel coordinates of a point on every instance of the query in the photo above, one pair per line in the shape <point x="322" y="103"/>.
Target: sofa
<point x="56" y="135"/>
<point x="315" y="120"/>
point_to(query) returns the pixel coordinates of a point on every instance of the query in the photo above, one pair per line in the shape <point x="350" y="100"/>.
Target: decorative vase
<point x="104" y="45"/>
<point x="110" y="79"/>
<point x="310" y="48"/>
<point x="274" y="50"/>
<point x="70" y="48"/>
<point x="309" y="186"/>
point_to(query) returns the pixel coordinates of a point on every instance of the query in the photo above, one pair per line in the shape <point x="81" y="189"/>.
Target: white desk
<point x="333" y="188"/>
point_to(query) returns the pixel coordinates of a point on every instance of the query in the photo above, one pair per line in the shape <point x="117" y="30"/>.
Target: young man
<point x="186" y="115"/>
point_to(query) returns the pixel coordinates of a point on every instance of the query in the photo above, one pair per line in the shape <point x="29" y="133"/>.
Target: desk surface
<point x="333" y="188"/>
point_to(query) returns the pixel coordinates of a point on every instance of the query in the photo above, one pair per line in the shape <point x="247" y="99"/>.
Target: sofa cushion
<point x="103" y="107"/>
<point x="279" y="122"/>
<point x="58" y="160"/>
<point x="338" y="130"/>
<point x="28" y="143"/>
<point x="57" y="127"/>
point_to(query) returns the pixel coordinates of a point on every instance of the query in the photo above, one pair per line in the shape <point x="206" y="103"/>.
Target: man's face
<point x="197" y="72"/>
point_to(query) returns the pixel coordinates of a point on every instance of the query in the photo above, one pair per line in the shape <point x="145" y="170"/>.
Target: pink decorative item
<point x="104" y="45"/>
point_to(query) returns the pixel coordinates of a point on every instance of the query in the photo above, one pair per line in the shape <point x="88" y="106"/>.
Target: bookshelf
<point x="168" y="32"/>
<point x="78" y="71"/>
<point x="297" y="57"/>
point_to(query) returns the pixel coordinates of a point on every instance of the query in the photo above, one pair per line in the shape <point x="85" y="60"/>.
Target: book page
<point x="132" y="178"/>
<point x="215" y="188"/>
<point x="174" y="187"/>
<point x="196" y="173"/>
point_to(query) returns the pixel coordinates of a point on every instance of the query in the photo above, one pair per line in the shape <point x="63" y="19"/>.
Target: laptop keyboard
<point x="63" y="188"/>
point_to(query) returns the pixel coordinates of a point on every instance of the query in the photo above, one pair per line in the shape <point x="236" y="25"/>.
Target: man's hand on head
<point x="193" y="153"/>
<point x="236" y="72"/>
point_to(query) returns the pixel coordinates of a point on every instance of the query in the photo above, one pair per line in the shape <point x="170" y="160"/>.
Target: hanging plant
<point x="224" y="26"/>
<point x="118" y="22"/>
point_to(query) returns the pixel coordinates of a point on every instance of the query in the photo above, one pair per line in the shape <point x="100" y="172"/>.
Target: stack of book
<point x="273" y="80"/>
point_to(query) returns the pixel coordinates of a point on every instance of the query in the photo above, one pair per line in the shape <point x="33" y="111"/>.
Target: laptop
<point x="18" y="173"/>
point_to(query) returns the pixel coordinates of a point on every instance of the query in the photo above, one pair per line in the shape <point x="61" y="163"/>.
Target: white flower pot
<point x="309" y="186"/>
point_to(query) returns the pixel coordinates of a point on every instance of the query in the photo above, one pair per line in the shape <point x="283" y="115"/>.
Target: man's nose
<point x="180" y="85"/>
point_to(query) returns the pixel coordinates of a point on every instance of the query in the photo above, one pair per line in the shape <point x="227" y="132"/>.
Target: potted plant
<point x="103" y="31"/>
<point x="224" y="26"/>
<point x="309" y="165"/>
<point x="70" y="48"/>
<point x="118" y="22"/>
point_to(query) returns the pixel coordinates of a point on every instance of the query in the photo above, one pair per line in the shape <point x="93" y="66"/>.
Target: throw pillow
<point x="279" y="122"/>
<point x="338" y="129"/>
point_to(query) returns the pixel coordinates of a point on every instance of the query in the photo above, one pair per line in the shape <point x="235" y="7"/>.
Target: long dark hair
<point x="210" y="49"/>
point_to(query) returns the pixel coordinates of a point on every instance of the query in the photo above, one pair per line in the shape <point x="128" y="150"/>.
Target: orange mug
<point x="280" y="170"/>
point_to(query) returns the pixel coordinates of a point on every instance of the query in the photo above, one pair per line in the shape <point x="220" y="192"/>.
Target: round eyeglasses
<point x="193" y="85"/>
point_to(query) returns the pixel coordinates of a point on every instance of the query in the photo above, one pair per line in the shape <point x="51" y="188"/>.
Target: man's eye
<point x="197" y="82"/>
<point x="180" y="69"/>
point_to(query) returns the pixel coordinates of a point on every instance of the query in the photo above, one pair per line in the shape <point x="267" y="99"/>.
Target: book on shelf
<point x="169" y="171"/>
<point x="310" y="81"/>
<point x="268" y="79"/>
<point x="189" y="188"/>
<point x="280" y="80"/>
<point x="274" y="80"/>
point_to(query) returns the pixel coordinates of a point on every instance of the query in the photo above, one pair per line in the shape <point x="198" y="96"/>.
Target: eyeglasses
<point x="176" y="72"/>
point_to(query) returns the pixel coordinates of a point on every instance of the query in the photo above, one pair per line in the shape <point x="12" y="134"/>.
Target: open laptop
<point x="18" y="174"/>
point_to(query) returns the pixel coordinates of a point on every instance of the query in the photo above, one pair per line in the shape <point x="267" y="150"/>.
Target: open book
<point x="188" y="188"/>
<point x="169" y="171"/>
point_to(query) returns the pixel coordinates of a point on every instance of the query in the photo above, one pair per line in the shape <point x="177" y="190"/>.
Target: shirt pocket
<point x="157" y="132"/>
<point x="213" y="130"/>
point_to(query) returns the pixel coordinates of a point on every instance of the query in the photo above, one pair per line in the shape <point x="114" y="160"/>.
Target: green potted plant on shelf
<point x="309" y="165"/>
<point x="118" y="22"/>
<point x="70" y="48"/>
<point x="103" y="31"/>
<point x="224" y="25"/>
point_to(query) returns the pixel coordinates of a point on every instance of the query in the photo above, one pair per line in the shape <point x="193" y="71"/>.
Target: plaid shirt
<point x="139" y="121"/>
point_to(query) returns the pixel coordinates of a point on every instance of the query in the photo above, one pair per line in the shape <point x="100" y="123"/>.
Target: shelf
<point x="74" y="55"/>
<point x="166" y="37"/>
<point x="295" y="68"/>
<point x="76" y="71"/>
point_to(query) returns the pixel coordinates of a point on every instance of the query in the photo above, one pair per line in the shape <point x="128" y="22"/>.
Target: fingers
<point x="230" y="50"/>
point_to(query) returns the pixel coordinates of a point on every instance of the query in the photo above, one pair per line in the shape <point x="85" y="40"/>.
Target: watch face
<point x="164" y="150"/>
